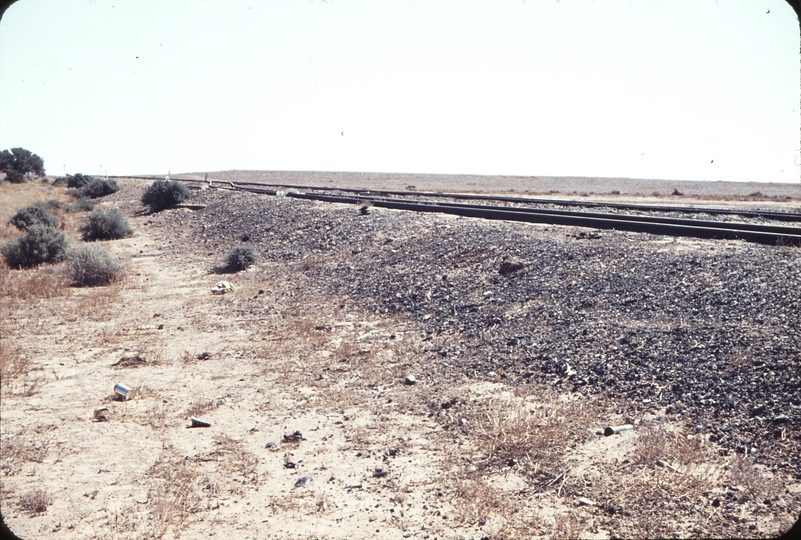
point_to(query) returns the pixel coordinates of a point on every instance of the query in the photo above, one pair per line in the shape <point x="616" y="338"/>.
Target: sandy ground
<point x="385" y="458"/>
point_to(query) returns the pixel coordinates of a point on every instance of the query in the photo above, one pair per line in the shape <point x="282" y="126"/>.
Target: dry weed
<point x="15" y="378"/>
<point x="25" y="285"/>
<point x="175" y="492"/>
<point x="744" y="473"/>
<point x="18" y="452"/>
<point x="568" y="526"/>
<point x="656" y="445"/>
<point x="199" y="408"/>
<point x="508" y="434"/>
<point x="36" y="501"/>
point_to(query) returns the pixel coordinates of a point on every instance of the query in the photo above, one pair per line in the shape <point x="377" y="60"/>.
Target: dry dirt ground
<point x="452" y="456"/>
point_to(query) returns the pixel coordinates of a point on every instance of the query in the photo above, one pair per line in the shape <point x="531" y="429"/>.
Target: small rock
<point x="269" y="445"/>
<point x="304" y="481"/>
<point x="510" y="267"/>
<point x="781" y="419"/>
<point x="782" y="504"/>
<point x="585" y="502"/>
<point x="409" y="380"/>
<point x="380" y="474"/>
<point x="290" y="465"/>
<point x="372" y="519"/>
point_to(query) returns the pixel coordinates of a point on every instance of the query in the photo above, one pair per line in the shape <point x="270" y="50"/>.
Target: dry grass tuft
<point x="18" y="452"/>
<point x="175" y="493"/>
<point x="658" y="446"/>
<point x="535" y="441"/>
<point x="25" y="285"/>
<point x="15" y="376"/>
<point x="744" y="473"/>
<point x="199" y="408"/>
<point x="36" y="501"/>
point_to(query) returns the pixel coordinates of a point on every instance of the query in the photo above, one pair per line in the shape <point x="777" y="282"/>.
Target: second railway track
<point x="446" y="203"/>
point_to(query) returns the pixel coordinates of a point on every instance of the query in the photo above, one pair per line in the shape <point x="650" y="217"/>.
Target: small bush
<point x="83" y="205"/>
<point x="48" y="205"/>
<point x="241" y="257"/>
<point x="78" y="180"/>
<point x="41" y="244"/>
<point x="95" y="188"/>
<point x="163" y="194"/>
<point x="61" y="181"/>
<point x="15" y="177"/>
<point x="32" y="215"/>
<point x="90" y="266"/>
<point x="35" y="502"/>
<point x="106" y="225"/>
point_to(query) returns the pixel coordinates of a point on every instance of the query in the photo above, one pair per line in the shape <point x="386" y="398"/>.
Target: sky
<point x="664" y="89"/>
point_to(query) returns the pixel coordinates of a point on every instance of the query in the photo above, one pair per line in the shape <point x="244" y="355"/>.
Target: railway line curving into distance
<point x="752" y="225"/>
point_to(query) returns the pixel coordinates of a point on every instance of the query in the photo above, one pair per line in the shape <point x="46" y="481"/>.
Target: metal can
<point x="122" y="391"/>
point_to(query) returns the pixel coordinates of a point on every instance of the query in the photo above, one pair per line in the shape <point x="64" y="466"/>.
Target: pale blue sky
<point x="673" y="89"/>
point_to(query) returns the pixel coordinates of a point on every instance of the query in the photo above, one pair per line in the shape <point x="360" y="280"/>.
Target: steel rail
<point x="768" y="214"/>
<point x="644" y="224"/>
<point x="760" y="233"/>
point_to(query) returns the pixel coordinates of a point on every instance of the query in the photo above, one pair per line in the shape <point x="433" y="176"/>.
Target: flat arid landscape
<point x="379" y="373"/>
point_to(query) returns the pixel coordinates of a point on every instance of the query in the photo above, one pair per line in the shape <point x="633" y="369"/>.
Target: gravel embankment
<point x="707" y="330"/>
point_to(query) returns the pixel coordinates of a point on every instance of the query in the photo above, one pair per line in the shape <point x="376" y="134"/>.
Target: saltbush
<point x="82" y="205"/>
<point x="15" y="177"/>
<point x="241" y="257"/>
<point x="98" y="188"/>
<point x="90" y="266"/>
<point x="164" y="193"/>
<point x="103" y="225"/>
<point x="77" y="180"/>
<point x="40" y="244"/>
<point x="93" y="188"/>
<point x="32" y="215"/>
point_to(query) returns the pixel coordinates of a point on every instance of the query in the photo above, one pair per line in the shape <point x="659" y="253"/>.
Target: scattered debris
<point x="130" y="359"/>
<point x="196" y="422"/>
<point x="612" y="430"/>
<point x="222" y="287"/>
<point x="586" y="502"/>
<point x="101" y="414"/>
<point x="295" y="437"/>
<point x="122" y="392"/>
<point x="304" y="481"/>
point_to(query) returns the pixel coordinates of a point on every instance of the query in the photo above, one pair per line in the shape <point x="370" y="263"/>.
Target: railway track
<point x="446" y="203"/>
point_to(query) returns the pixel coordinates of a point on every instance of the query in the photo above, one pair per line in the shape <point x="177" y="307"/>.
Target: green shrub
<point x="106" y="225"/>
<point x="26" y="217"/>
<point x="90" y="266"/>
<point x="78" y="180"/>
<point x="15" y="177"/>
<point x="241" y="257"/>
<point x="98" y="188"/>
<point x="82" y="205"/>
<point x="41" y="244"/>
<point x="95" y="188"/>
<point x="49" y="204"/>
<point x="61" y="181"/>
<point x="163" y="194"/>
